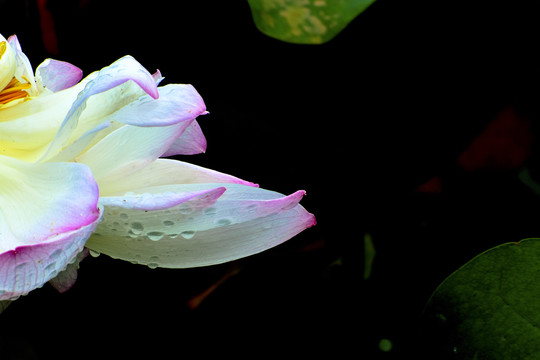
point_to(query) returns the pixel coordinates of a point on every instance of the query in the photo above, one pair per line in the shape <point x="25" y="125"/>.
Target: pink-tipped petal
<point x="14" y="42"/>
<point x="47" y="212"/>
<point x="30" y="266"/>
<point x="37" y="201"/>
<point x="243" y="221"/>
<point x="191" y="142"/>
<point x="157" y="77"/>
<point x="122" y="70"/>
<point x="58" y="75"/>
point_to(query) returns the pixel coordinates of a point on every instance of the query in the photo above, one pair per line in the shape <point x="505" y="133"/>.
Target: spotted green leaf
<point x="490" y="307"/>
<point x="305" y="21"/>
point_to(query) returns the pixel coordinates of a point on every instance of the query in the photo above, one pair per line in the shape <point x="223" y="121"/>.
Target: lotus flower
<point x="80" y="169"/>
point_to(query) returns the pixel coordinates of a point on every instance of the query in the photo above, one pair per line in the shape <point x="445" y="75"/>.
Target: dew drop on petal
<point x="223" y="222"/>
<point x="94" y="253"/>
<point x="136" y="228"/>
<point x="210" y="211"/>
<point x="185" y="210"/>
<point x="155" y="235"/>
<point x="152" y="265"/>
<point x="187" y="234"/>
<point x="168" y="223"/>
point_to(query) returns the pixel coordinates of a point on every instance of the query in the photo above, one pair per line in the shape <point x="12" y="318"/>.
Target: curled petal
<point x="30" y="266"/>
<point x="58" y="75"/>
<point x="176" y="103"/>
<point x="243" y="221"/>
<point x="157" y="77"/>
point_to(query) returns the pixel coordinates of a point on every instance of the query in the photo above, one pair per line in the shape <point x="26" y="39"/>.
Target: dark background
<point x="359" y="123"/>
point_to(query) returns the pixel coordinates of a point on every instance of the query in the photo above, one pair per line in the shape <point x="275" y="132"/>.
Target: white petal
<point x="127" y="150"/>
<point x="243" y="221"/>
<point x="168" y="172"/>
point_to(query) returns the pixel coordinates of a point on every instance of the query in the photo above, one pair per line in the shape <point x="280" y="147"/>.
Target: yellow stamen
<point x="13" y="91"/>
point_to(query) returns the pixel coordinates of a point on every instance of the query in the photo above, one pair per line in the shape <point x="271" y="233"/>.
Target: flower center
<point x="13" y="91"/>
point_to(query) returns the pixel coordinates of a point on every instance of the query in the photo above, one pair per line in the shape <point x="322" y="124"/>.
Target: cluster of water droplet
<point x="181" y="221"/>
<point x="139" y="228"/>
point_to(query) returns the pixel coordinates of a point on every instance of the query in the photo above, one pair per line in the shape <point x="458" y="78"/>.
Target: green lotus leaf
<point x="490" y="307"/>
<point x="305" y="21"/>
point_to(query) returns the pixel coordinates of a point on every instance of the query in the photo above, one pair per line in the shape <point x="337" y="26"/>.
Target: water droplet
<point x="132" y="235"/>
<point x="94" y="253"/>
<point x="223" y="222"/>
<point x="210" y="211"/>
<point x="155" y="235"/>
<point x="185" y="210"/>
<point x="124" y="216"/>
<point x="168" y="223"/>
<point x="137" y="228"/>
<point x="187" y="234"/>
<point x="152" y="265"/>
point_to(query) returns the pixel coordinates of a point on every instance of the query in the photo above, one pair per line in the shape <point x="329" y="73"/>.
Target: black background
<point x="358" y="122"/>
